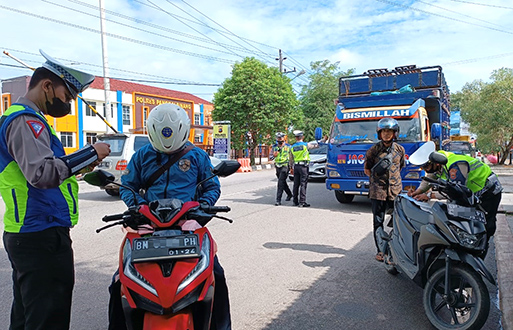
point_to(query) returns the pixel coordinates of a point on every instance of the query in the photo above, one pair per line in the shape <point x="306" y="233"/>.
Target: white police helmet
<point x="298" y="133"/>
<point x="168" y="127"/>
<point x="421" y="156"/>
<point x="76" y="81"/>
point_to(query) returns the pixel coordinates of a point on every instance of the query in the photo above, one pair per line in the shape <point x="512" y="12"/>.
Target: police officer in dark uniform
<point x="40" y="192"/>
<point x="300" y="159"/>
<point x="281" y="151"/>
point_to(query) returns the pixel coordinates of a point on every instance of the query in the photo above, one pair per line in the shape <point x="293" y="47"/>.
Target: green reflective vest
<point x="29" y="209"/>
<point x="477" y="175"/>
<point x="283" y="155"/>
<point x="300" y="152"/>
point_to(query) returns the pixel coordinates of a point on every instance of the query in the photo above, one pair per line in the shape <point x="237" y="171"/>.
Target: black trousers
<point x="282" y="174"/>
<point x="490" y="204"/>
<point x="221" y="318"/>
<point x="378" y="215"/>
<point x="300" y="183"/>
<point x="43" y="278"/>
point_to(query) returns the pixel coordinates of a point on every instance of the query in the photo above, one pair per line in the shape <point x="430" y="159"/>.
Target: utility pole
<point x="106" y="81"/>
<point x="281" y="59"/>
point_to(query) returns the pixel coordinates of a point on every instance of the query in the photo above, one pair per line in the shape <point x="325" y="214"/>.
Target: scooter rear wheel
<point x="467" y="306"/>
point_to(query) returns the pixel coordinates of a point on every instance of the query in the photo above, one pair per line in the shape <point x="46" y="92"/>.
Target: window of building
<point x="146" y="111"/>
<point x="126" y="115"/>
<point x="90" y="112"/>
<point x="197" y="138"/>
<point x="91" y="138"/>
<point x="67" y="139"/>
<point x="111" y="110"/>
<point x="197" y="119"/>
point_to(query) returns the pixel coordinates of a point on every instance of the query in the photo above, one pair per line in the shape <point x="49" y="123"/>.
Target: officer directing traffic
<point x="300" y="159"/>
<point x="40" y="192"/>
<point x="281" y="152"/>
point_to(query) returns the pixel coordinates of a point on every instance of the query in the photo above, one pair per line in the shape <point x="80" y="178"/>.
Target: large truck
<point x="418" y="98"/>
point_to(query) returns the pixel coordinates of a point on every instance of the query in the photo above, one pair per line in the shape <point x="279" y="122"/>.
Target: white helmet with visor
<point x="168" y="127"/>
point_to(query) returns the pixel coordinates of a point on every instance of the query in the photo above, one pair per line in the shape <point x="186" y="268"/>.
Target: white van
<point x="122" y="147"/>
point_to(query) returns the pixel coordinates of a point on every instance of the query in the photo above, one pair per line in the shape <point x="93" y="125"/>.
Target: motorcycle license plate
<point x="156" y="248"/>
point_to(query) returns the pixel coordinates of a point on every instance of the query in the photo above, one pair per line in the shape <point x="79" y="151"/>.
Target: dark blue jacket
<point x="178" y="182"/>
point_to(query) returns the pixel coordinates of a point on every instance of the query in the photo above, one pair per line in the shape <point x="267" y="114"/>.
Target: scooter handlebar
<point x="113" y="217"/>
<point x="214" y="209"/>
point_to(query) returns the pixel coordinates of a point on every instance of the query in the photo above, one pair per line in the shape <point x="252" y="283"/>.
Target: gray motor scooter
<point x="439" y="245"/>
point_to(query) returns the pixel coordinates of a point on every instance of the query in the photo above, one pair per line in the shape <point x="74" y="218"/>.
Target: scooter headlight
<point x="467" y="240"/>
<point x="132" y="273"/>
<point x="203" y="263"/>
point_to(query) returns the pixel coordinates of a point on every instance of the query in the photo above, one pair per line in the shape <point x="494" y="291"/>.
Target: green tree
<point x="316" y="100"/>
<point x="258" y="101"/>
<point x="488" y="108"/>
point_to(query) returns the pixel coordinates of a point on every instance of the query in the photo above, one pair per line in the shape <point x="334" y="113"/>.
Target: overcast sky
<point x="197" y="41"/>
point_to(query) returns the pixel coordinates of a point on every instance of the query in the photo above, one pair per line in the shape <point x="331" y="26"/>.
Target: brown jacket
<point x="389" y="185"/>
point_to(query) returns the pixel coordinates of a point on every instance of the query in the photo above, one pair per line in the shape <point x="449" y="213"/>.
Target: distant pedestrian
<point x="281" y="151"/>
<point x="300" y="159"/>
<point x="383" y="164"/>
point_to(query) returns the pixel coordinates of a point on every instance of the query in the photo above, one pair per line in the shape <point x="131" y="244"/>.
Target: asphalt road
<point x="287" y="267"/>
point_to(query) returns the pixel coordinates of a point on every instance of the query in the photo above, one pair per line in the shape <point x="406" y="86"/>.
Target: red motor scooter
<point x="166" y="270"/>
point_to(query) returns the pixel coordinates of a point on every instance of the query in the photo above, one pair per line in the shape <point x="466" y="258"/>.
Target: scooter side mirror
<point x="226" y="168"/>
<point x="99" y="178"/>
<point x="438" y="158"/>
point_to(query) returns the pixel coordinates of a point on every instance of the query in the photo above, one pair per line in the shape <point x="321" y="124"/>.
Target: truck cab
<point x="418" y="98"/>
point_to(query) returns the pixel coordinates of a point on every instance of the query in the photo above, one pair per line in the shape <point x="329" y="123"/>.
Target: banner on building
<point x="222" y="136"/>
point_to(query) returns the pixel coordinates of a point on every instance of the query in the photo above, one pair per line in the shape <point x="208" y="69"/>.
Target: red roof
<point x="130" y="87"/>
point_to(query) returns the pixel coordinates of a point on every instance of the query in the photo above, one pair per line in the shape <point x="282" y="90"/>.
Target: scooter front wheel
<point x="466" y="307"/>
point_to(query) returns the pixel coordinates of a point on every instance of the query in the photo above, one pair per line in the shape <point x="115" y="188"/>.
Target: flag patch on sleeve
<point x="36" y="126"/>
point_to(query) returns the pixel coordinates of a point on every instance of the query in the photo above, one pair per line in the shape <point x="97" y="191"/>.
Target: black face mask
<point x="280" y="142"/>
<point x="57" y="108"/>
<point x="432" y="169"/>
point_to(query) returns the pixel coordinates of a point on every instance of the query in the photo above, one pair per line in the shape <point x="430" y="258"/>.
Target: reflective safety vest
<point x="477" y="175"/>
<point x="283" y="154"/>
<point x="29" y="209"/>
<point x="300" y="152"/>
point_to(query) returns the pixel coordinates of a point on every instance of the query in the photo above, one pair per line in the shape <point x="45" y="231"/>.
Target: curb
<point x="504" y="255"/>
<point x="261" y="167"/>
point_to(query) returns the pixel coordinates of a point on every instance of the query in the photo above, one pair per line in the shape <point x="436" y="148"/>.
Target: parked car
<point x="122" y="147"/>
<point x="462" y="148"/>
<point x="317" y="167"/>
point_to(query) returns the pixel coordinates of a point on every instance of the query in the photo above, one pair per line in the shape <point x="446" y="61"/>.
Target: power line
<point x="140" y="42"/>
<point x="447" y="17"/>
<point x="181" y="21"/>
<point x="233" y="34"/>
<point x="135" y="28"/>
<point x="471" y="60"/>
<point x="155" y="26"/>
<point x="456" y="12"/>
<point x="258" y="52"/>
<point x="175" y="80"/>
<point x="482" y="4"/>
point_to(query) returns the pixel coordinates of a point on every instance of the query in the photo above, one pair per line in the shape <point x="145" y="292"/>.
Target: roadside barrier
<point x="244" y="165"/>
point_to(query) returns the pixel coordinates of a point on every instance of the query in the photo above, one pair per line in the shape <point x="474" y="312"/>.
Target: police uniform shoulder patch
<point x="36" y="126"/>
<point x="453" y="173"/>
<point x="184" y="165"/>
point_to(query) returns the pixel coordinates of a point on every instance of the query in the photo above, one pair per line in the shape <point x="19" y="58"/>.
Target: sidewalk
<point x="503" y="239"/>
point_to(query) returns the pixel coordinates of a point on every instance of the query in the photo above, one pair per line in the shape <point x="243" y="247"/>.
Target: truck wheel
<point x="112" y="192"/>
<point x="343" y="198"/>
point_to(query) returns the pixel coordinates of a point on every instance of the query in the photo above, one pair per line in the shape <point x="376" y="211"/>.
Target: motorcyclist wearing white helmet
<point x="168" y="127"/>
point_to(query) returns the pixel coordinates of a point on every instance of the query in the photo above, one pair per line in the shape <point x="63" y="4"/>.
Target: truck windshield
<point x="365" y="131"/>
